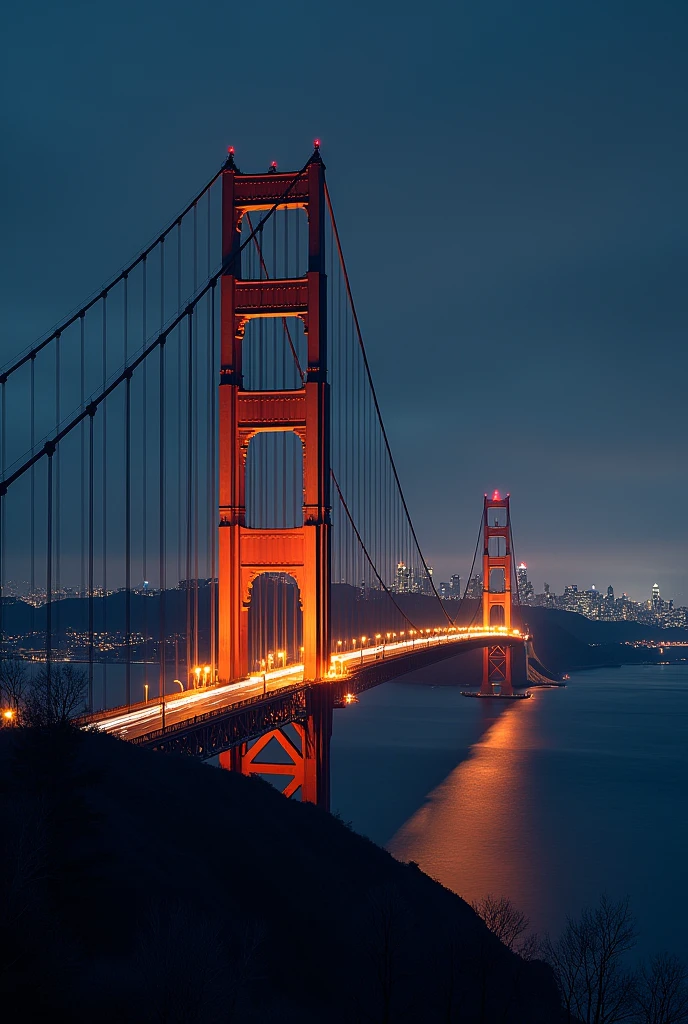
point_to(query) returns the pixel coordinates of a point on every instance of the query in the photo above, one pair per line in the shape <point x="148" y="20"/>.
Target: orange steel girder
<point x="497" y="659"/>
<point x="497" y="669"/>
<point x="308" y="767"/>
<point x="304" y="552"/>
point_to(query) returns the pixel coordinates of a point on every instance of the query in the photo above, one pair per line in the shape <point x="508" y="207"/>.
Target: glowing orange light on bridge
<point x="496" y="598"/>
<point x="302" y="552"/>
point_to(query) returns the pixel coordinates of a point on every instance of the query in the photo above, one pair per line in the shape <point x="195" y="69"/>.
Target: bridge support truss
<point x="497" y="581"/>
<point x="302" y="552"/>
<point x="305" y="763"/>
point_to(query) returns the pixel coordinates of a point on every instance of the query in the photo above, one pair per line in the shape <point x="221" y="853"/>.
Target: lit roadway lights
<point x="197" y="702"/>
<point x="146" y="718"/>
<point x="391" y="644"/>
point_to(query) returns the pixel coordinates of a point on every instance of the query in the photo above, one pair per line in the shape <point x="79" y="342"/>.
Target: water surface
<point x="551" y="801"/>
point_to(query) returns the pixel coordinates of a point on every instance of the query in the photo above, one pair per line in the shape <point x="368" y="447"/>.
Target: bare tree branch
<point x="509" y="924"/>
<point x="12" y="684"/>
<point x="588" y="964"/>
<point x="662" y="991"/>
<point x="55" y="697"/>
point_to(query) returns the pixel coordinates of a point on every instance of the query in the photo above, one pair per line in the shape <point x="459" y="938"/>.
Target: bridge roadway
<point x="257" y="699"/>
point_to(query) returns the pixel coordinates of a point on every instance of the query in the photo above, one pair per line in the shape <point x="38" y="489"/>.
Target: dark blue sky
<point x="510" y="184"/>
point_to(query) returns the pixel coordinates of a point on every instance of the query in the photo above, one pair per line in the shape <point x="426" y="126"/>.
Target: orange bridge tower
<point x="497" y="582"/>
<point x="302" y="552"/>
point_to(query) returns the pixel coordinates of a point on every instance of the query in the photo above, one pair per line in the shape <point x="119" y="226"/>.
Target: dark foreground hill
<point x="139" y="887"/>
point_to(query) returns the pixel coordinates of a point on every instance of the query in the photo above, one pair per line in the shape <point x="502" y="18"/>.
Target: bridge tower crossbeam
<point x="497" y="585"/>
<point x="302" y="552"/>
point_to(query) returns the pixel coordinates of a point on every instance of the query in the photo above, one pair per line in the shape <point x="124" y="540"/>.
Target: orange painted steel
<point x="303" y="552"/>
<point x="308" y="761"/>
<point x="497" y="658"/>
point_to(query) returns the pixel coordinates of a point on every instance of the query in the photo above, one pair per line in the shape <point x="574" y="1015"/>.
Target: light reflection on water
<point x="473" y="832"/>
<point x="551" y="801"/>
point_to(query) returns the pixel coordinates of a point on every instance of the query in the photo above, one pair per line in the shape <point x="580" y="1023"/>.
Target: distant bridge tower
<point x="497" y="583"/>
<point x="303" y="552"/>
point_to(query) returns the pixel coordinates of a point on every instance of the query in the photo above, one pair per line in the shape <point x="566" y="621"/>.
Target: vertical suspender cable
<point x="196" y="502"/>
<point x="144" y="474"/>
<point x="2" y="570"/>
<point x="195" y="440"/>
<point x="57" y="486"/>
<point x="82" y="429"/>
<point x="208" y="470"/>
<point x="104" y="509"/>
<point x="161" y="528"/>
<point x="127" y="503"/>
<point x="49" y="587"/>
<point x="162" y="573"/>
<point x="127" y="538"/>
<point x="90" y="557"/>
<point x="213" y="501"/>
<point x="262" y="453"/>
<point x="33" y="494"/>
<point x="189" y="476"/>
<point x="3" y="459"/>
<point x="179" y="407"/>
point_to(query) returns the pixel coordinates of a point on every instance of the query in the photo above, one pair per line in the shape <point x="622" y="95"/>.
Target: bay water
<point x="551" y="801"/>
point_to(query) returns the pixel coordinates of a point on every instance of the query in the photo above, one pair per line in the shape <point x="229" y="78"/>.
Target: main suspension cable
<point x="159" y="339"/>
<point x="32" y="352"/>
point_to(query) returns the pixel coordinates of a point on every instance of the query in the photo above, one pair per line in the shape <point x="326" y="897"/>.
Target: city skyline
<point x="404" y="582"/>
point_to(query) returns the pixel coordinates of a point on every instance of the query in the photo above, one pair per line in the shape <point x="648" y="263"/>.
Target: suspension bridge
<point x="199" y="503"/>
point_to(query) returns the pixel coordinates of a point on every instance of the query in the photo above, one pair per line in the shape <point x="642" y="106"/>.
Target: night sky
<point x="509" y="180"/>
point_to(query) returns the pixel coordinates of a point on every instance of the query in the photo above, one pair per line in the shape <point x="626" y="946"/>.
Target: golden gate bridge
<point x="209" y="417"/>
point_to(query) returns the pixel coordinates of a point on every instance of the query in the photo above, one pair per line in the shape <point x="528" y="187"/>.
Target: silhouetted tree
<point x="55" y="697"/>
<point x="508" y="923"/>
<point x="587" y="961"/>
<point x="12" y="684"/>
<point x="662" y="991"/>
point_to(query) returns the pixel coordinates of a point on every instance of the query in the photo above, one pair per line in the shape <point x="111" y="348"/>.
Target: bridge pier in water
<point x="497" y="671"/>
<point x="306" y="762"/>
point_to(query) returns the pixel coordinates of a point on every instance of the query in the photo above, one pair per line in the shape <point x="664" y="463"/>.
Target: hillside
<point x="141" y="887"/>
